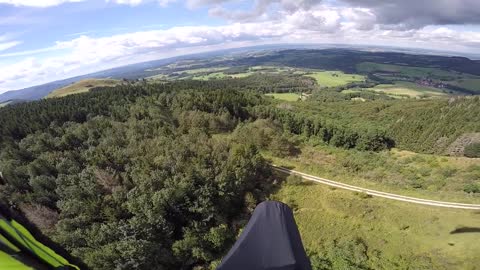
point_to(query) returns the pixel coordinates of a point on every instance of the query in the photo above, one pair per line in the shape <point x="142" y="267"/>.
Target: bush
<point x="472" y="188"/>
<point x="294" y="180"/>
<point x="472" y="150"/>
<point x="282" y="147"/>
<point x="320" y="263"/>
<point x="363" y="195"/>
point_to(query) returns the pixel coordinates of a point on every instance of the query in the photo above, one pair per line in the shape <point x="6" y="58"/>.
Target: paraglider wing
<point x="270" y="241"/>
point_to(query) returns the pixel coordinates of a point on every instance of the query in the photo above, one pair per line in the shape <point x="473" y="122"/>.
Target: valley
<point x="164" y="168"/>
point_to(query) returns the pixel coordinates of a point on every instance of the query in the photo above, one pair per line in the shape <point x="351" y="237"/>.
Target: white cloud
<point x="162" y="3"/>
<point x="199" y="3"/>
<point x="294" y="22"/>
<point x="8" y="45"/>
<point x="127" y="2"/>
<point x="86" y="54"/>
<point x="37" y="3"/>
<point x="417" y="14"/>
<point x="51" y="3"/>
<point x="6" y="42"/>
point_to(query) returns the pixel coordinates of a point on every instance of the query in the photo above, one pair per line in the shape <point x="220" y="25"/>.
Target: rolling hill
<point x="82" y="86"/>
<point x="307" y="56"/>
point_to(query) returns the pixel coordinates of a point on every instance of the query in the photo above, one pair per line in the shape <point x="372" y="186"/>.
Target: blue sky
<point x="46" y="40"/>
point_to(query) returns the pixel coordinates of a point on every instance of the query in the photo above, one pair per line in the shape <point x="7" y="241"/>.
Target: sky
<point x="48" y="40"/>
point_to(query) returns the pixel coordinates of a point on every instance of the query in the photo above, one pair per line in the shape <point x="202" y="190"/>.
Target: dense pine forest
<point x="141" y="176"/>
<point x="136" y="164"/>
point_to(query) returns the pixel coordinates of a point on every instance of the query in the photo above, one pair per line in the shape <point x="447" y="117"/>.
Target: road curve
<point x="378" y="193"/>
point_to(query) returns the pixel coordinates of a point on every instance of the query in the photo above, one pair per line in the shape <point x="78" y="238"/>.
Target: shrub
<point x="472" y="188"/>
<point x="448" y="172"/>
<point x="294" y="180"/>
<point x="363" y="195"/>
<point x="472" y="150"/>
<point x="320" y="263"/>
<point x="282" y="147"/>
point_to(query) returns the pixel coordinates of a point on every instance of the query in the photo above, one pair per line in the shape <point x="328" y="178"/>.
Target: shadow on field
<point x="465" y="230"/>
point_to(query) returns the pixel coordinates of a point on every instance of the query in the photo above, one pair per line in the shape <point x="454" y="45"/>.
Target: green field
<point x="408" y="71"/>
<point x="400" y="172"/>
<point x="241" y="75"/>
<point x="214" y="73"/>
<point x="347" y="230"/>
<point x="285" y="96"/>
<point x="210" y="76"/>
<point x="402" y="88"/>
<point x="82" y="87"/>
<point x="277" y="69"/>
<point x="393" y="72"/>
<point x="204" y="70"/>
<point x="158" y="77"/>
<point x="468" y="83"/>
<point x="335" y="78"/>
<point x="220" y="75"/>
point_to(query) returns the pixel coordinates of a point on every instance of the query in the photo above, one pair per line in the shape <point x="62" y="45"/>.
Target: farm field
<point x="470" y="84"/>
<point x="347" y="230"/>
<point x="335" y="78"/>
<point x="220" y="75"/>
<point x="203" y="70"/>
<point x="277" y="69"/>
<point x="407" y="71"/>
<point x="82" y="87"/>
<point x="392" y="72"/>
<point x="210" y="76"/>
<point x="401" y="88"/>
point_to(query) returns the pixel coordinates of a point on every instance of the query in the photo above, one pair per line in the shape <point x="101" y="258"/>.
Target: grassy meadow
<point x="409" y="89"/>
<point x="82" y="87"/>
<point x="392" y="72"/>
<point x="220" y="75"/>
<point x="347" y="230"/>
<point x="468" y="83"/>
<point x="400" y="172"/>
<point x="335" y="78"/>
<point x="407" y="71"/>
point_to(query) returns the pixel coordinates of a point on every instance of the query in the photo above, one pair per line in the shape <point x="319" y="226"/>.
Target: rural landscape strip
<point x="378" y="193"/>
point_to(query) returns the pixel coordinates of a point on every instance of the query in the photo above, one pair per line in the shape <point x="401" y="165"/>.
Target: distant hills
<point x="309" y="56"/>
<point x="131" y="72"/>
<point x="40" y="91"/>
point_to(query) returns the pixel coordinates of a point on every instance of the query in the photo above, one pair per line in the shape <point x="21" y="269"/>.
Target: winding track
<point x="379" y="193"/>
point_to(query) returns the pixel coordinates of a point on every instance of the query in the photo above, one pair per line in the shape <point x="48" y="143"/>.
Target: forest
<point x="164" y="175"/>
